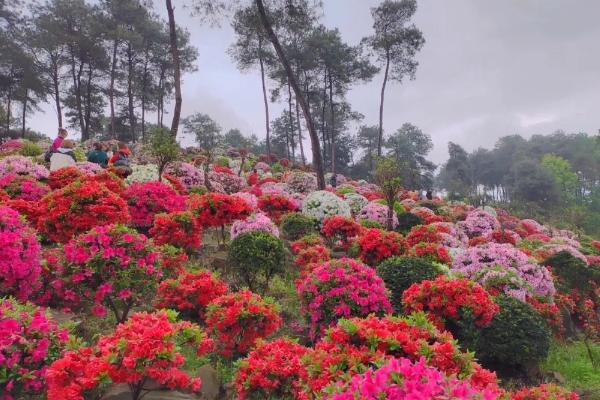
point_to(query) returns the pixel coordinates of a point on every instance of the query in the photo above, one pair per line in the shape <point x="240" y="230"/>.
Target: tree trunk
<point x="316" y="149"/>
<point x="265" y="100"/>
<point x="293" y="146"/>
<point x="111" y="90"/>
<point x="24" y="113"/>
<point x="85" y="134"/>
<point x="56" y="92"/>
<point x="300" y="133"/>
<point x="332" y="127"/>
<point x="144" y="88"/>
<point x="8" y="108"/>
<point x="77" y="84"/>
<point x="160" y="105"/>
<point x="323" y="118"/>
<point x="385" y="78"/>
<point x="130" y="93"/>
<point x="177" y="67"/>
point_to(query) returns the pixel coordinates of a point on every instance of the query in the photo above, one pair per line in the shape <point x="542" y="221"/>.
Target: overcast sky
<point x="488" y="68"/>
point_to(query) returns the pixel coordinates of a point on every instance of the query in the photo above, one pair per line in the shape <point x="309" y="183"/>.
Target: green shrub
<point x="572" y="273"/>
<point x="276" y="168"/>
<point x="517" y="339"/>
<point x="367" y="223"/>
<point x="296" y="225"/>
<point x="406" y="221"/>
<point x="431" y="205"/>
<point x="31" y="149"/>
<point x="400" y="272"/>
<point x="222" y="161"/>
<point x="345" y="190"/>
<point x="79" y="154"/>
<point x="255" y="258"/>
<point x="198" y="190"/>
<point x="398" y="208"/>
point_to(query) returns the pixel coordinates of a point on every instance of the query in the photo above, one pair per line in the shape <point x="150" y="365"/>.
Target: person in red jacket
<point x="120" y="160"/>
<point x="253" y="178"/>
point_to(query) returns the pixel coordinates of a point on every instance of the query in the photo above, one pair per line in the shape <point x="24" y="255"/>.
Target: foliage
<point x="30" y="149"/>
<point x="238" y="320"/>
<point x="256" y="257"/>
<point x="163" y="148"/>
<point x="206" y="131"/>
<point x="296" y="225"/>
<point x="544" y="391"/>
<point x="406" y="221"/>
<point x="387" y="176"/>
<point x="179" y="229"/>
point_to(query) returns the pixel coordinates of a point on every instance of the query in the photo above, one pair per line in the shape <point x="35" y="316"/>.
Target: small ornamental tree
<point x="79" y="207"/>
<point x="341" y="228"/>
<point x="163" y="148"/>
<point x="217" y="209"/>
<point x="19" y="256"/>
<point x="145" y="347"/>
<point x="295" y="225"/>
<point x="237" y="320"/>
<point x="276" y="205"/>
<point x="111" y="266"/>
<point x="179" y="229"/>
<point x="387" y="176"/>
<point x="31" y="340"/>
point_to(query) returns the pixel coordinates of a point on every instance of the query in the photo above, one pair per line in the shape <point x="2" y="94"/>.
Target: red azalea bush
<point x="19" y="256"/>
<point x="147" y="199"/>
<point x="110" y="266"/>
<point x="79" y="207"/>
<point x="503" y="236"/>
<point x="175" y="183"/>
<point x="172" y="260"/>
<point x="222" y="169"/>
<point x="63" y="177"/>
<point x="237" y="320"/>
<point x="276" y="205"/>
<point x="353" y="345"/>
<point x="112" y="181"/>
<point x="551" y="313"/>
<point x="179" y="229"/>
<point x="29" y="209"/>
<point x="217" y="209"/>
<point x="340" y="289"/>
<point x="375" y="245"/>
<point x="431" y="251"/>
<point x="20" y="187"/>
<point x="190" y="293"/>
<point x="424" y="233"/>
<point x="548" y="391"/>
<point x="31" y="340"/>
<point x="445" y="298"/>
<point x="145" y="347"/>
<point x="341" y="228"/>
<point x="306" y="242"/>
<point x="273" y="370"/>
<point x="312" y="255"/>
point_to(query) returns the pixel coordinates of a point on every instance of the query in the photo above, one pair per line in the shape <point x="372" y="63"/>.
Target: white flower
<point x="322" y="204"/>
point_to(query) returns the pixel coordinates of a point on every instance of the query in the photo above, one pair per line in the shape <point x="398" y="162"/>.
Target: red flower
<point x="179" y="229"/>
<point x="276" y="205"/>
<point x="64" y="176"/>
<point x="150" y="198"/>
<point x="431" y="251"/>
<point x="216" y="209"/>
<point x="341" y="228"/>
<point x="312" y="255"/>
<point x="306" y="242"/>
<point x="547" y="391"/>
<point x="376" y="245"/>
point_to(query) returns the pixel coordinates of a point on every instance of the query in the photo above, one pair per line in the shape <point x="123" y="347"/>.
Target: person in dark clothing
<point x="98" y="155"/>
<point x="333" y="180"/>
<point x="429" y="194"/>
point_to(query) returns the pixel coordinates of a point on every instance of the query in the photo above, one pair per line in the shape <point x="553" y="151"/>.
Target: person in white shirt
<point x="63" y="156"/>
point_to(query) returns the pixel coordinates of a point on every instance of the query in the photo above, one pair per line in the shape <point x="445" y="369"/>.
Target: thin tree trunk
<point x="316" y="149"/>
<point x="160" y="106"/>
<point x="85" y="135"/>
<point x="332" y="127"/>
<point x="300" y="133"/>
<point x="385" y="78"/>
<point x="130" y="92"/>
<point x="323" y="119"/>
<point x="24" y="113"/>
<point x="77" y="84"/>
<point x="8" y="109"/>
<point x="177" y="68"/>
<point x="111" y="90"/>
<point x="144" y="88"/>
<point x="56" y="92"/>
<point x="265" y="100"/>
<point x="293" y="146"/>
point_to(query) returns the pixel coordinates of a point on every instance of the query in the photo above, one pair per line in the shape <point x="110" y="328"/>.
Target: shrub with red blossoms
<point x="445" y="298"/>
<point x="179" y="229"/>
<point x="502" y="236"/>
<point x="341" y="228"/>
<point x="313" y="255"/>
<point x="217" y="209"/>
<point x="548" y="391"/>
<point x="111" y="266"/>
<point x="145" y="347"/>
<point x="172" y="260"/>
<point x="190" y="293"/>
<point x="112" y="181"/>
<point x="79" y="207"/>
<point x="276" y="205"/>
<point x="306" y="242"/>
<point x="273" y="370"/>
<point x="147" y="199"/>
<point x="25" y="188"/>
<point x="340" y="289"/>
<point x="403" y="379"/>
<point x="19" y="256"/>
<point x="375" y="245"/>
<point x="431" y="251"/>
<point x="237" y="320"/>
<point x="31" y="340"/>
<point x="28" y="209"/>
<point x="64" y="176"/>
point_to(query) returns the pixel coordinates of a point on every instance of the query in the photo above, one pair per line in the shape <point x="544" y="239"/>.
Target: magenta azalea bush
<point x="479" y="222"/>
<point x="29" y="342"/>
<point x="110" y="266"/>
<point x="256" y="222"/>
<point x="491" y="264"/>
<point x="404" y="379"/>
<point x="89" y="168"/>
<point x="376" y="212"/>
<point x="189" y="175"/>
<point x="23" y="187"/>
<point x="341" y="288"/>
<point x="20" y="165"/>
<point x="19" y="256"/>
<point x="147" y="199"/>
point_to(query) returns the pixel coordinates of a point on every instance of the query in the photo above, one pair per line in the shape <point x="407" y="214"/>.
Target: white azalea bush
<point x="322" y="204"/>
<point x="143" y="173"/>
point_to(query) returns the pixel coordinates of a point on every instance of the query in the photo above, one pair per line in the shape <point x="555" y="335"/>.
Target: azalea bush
<point x="145" y="347"/>
<point x="547" y="391"/>
<point x="79" y="207"/>
<point x="188" y="174"/>
<point x="273" y="370"/>
<point x="355" y="201"/>
<point x="376" y="212"/>
<point x="237" y="320"/>
<point x="111" y="266"/>
<point x="190" y="293"/>
<point x="450" y="299"/>
<point x="256" y="222"/>
<point x="147" y="199"/>
<point x="322" y="204"/>
<point x="480" y="222"/>
<point x="143" y="173"/>
<point x="19" y="256"/>
<point x="64" y="176"/>
<point x="112" y="181"/>
<point x="276" y="206"/>
<point x="179" y="229"/>
<point x="306" y="242"/>
<point x="31" y="341"/>
<point x="375" y="245"/>
<point x="217" y="209"/>
<point x="338" y="228"/>
<point x="431" y="251"/>
<point x="295" y="225"/>
<point x="25" y="188"/>
<point x="313" y="255"/>
<point x="302" y="182"/>
<point x="19" y="165"/>
<point x="340" y="289"/>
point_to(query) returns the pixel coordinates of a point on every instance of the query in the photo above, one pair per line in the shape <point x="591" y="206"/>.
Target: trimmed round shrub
<point x="399" y="273"/>
<point x="256" y="257"/>
<point x="30" y="149"/>
<point x="147" y="199"/>
<point x="572" y="273"/>
<point x="296" y="225"/>
<point x="517" y="338"/>
<point x="406" y="221"/>
<point x="255" y="222"/>
<point x="322" y="204"/>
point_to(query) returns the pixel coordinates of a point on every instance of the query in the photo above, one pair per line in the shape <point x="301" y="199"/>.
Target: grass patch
<point x="571" y="360"/>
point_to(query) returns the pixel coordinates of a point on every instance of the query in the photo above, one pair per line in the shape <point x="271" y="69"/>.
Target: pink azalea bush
<point x="479" y="222"/>
<point x="302" y="182"/>
<point x="403" y="379"/>
<point x="30" y="342"/>
<point x="147" y="199"/>
<point x="376" y="212"/>
<point x="20" y="165"/>
<point x="188" y="174"/>
<point x="23" y="187"/>
<point x="89" y="168"/>
<point x="19" y="256"/>
<point x="256" y="222"/>
<point x="492" y="264"/>
<point x="230" y="183"/>
<point x="341" y="288"/>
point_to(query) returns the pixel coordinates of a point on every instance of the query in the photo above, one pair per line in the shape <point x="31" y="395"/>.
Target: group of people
<point x="61" y="154"/>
